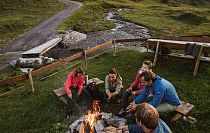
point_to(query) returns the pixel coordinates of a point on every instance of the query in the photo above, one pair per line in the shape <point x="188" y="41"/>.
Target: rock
<point x="13" y="63"/>
<point x="106" y="115"/>
<point x="72" y="38"/>
<point x="29" y="62"/>
<point x="99" y="126"/>
<point x="47" y="60"/>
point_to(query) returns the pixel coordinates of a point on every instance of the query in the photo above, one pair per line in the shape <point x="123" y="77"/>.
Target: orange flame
<point x="90" y="118"/>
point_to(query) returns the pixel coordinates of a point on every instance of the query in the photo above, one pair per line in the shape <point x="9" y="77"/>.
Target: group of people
<point x="160" y="95"/>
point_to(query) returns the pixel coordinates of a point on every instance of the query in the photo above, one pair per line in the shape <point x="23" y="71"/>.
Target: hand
<point x="131" y="107"/>
<point x="79" y="93"/>
<point x="70" y="96"/>
<point x="124" y="128"/>
<point x="133" y="93"/>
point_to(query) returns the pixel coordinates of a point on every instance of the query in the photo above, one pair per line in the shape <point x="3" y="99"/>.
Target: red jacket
<point x="74" y="82"/>
<point x="137" y="83"/>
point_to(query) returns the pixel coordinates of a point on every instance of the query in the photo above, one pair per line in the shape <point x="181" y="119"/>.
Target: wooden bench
<point x="205" y="59"/>
<point x="60" y="92"/>
<point x="184" y="109"/>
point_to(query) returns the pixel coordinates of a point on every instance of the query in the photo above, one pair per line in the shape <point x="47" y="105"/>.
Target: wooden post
<point x="114" y="48"/>
<point x="85" y="57"/>
<point x="156" y="53"/>
<point x="31" y="80"/>
<point x="198" y="61"/>
<point x="147" y="47"/>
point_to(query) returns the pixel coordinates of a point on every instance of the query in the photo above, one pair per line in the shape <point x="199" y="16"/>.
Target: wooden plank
<point x="185" y="108"/>
<point x="156" y="53"/>
<point x="13" y="79"/>
<point x="41" y="49"/>
<point x="131" y="40"/>
<point x="193" y="38"/>
<point x="98" y="47"/>
<point x="198" y="61"/>
<point x="58" y="63"/>
<point x="177" y="44"/>
<point x="59" y="92"/>
<point x="176" y="117"/>
<point x="97" y="80"/>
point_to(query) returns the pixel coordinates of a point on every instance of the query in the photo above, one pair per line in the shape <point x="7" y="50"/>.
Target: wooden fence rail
<point x="78" y="55"/>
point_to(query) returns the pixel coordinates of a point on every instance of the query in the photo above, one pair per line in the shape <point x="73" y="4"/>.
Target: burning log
<point x="96" y="122"/>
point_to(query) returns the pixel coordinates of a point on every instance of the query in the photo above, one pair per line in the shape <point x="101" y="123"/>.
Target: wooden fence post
<point x="115" y="48"/>
<point x="156" y="53"/>
<point x="31" y="80"/>
<point x="198" y="61"/>
<point x="85" y="57"/>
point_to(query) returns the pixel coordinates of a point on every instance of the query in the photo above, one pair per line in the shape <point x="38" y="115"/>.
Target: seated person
<point x="113" y="85"/>
<point x="136" y="87"/>
<point x="164" y="99"/>
<point x="147" y="121"/>
<point x="74" y="84"/>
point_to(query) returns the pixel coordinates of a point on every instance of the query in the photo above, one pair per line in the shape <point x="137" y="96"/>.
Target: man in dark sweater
<point x="147" y="121"/>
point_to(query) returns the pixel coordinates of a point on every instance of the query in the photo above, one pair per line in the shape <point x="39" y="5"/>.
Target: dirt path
<point x="40" y="33"/>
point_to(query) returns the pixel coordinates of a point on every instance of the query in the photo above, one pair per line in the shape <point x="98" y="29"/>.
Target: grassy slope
<point x="89" y="18"/>
<point x="23" y="111"/>
<point x="161" y="19"/>
<point x="18" y="16"/>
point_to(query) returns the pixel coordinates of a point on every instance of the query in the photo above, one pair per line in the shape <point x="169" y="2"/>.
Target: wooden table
<point x="179" y="45"/>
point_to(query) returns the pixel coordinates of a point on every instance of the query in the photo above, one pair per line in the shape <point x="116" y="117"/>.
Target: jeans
<point x="126" y="96"/>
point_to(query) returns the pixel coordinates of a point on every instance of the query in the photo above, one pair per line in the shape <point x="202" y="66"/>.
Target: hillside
<point x="18" y="16"/>
<point x="162" y="18"/>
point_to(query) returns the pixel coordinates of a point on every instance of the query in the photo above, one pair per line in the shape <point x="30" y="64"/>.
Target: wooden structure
<point x="179" y="45"/>
<point x="41" y="49"/>
<point x="60" y="92"/>
<point x="184" y="109"/>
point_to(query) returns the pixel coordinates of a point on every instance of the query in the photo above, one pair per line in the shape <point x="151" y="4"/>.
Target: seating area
<point x="60" y="92"/>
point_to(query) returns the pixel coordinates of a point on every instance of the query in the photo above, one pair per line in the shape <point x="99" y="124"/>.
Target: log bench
<point x="184" y="109"/>
<point x="60" y="92"/>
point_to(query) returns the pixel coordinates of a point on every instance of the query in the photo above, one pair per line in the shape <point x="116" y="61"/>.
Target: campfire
<point x="97" y="122"/>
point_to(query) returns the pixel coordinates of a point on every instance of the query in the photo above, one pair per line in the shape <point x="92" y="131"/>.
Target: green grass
<point x="183" y="18"/>
<point x="22" y="111"/>
<point x="89" y="18"/>
<point x="19" y="16"/>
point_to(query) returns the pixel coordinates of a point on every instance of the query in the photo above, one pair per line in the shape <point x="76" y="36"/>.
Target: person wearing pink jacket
<point x="74" y="84"/>
<point x="136" y="87"/>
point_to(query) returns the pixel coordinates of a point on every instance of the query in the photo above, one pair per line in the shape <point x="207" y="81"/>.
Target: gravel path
<point x="40" y="34"/>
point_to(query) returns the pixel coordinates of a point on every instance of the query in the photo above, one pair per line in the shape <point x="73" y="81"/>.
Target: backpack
<point x="94" y="91"/>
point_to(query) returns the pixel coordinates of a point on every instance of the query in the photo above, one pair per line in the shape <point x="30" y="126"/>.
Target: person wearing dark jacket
<point x="136" y="87"/>
<point x="147" y="121"/>
<point x="164" y="99"/>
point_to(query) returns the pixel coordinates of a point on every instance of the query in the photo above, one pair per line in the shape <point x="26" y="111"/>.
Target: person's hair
<point x="148" y="75"/>
<point x="114" y="71"/>
<point x="79" y="70"/>
<point x="148" y="115"/>
<point x="148" y="63"/>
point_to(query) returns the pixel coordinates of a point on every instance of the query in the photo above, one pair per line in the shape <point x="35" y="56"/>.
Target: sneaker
<point x="122" y="113"/>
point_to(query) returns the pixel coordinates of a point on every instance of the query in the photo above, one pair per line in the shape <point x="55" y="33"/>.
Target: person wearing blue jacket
<point x="164" y="95"/>
<point x="147" y="121"/>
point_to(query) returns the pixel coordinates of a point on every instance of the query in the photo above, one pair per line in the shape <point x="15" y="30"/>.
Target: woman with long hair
<point x="113" y="85"/>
